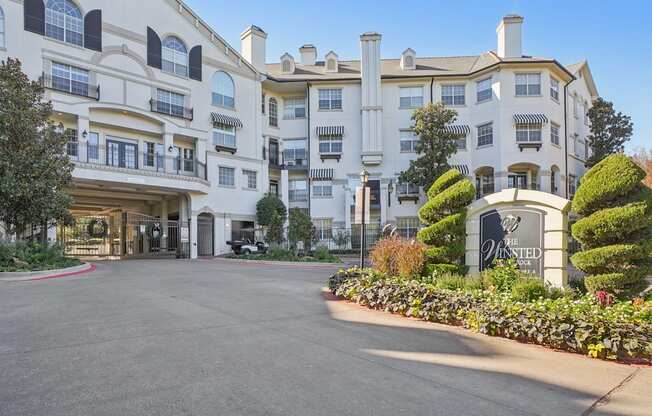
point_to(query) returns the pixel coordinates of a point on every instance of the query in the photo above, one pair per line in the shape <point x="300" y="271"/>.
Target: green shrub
<point x="322" y="253"/>
<point x="450" y="282"/>
<point x="613" y="178"/>
<point x="621" y="285"/>
<point x="445" y="217"/>
<point x="25" y="257"/>
<point x="617" y="232"/>
<point x="581" y="325"/>
<point x="473" y="283"/>
<point x="502" y="275"/>
<point x="528" y="290"/>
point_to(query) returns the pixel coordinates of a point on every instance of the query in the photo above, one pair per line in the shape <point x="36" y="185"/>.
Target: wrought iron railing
<point x="125" y="157"/>
<point x="82" y="89"/>
<point x="163" y="107"/>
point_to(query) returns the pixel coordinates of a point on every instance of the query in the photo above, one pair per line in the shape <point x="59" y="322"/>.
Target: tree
<point x="609" y="131"/>
<point x="35" y="171"/>
<point x="436" y="144"/>
<point x="616" y="231"/>
<point x="643" y="158"/>
<point x="301" y="229"/>
<point x="445" y="217"/>
<point x="271" y="214"/>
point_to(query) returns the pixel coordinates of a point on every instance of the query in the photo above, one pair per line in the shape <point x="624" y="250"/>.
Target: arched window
<point x="175" y="56"/>
<point x="223" y="90"/>
<point x="273" y="112"/>
<point x="2" y="28"/>
<point x="64" y="21"/>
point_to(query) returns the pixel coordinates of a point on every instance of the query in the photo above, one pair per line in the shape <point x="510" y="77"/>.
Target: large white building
<point x="176" y="135"/>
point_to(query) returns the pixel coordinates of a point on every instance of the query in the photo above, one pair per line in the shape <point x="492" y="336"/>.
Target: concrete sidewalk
<point x="166" y="337"/>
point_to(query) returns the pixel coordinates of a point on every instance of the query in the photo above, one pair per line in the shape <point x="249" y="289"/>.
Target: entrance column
<point x="164" y="224"/>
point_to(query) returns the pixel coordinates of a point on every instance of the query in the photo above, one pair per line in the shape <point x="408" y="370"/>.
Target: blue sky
<point x="611" y="35"/>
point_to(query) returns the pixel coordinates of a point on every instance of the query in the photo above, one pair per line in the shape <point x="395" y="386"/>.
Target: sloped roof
<point x="391" y="68"/>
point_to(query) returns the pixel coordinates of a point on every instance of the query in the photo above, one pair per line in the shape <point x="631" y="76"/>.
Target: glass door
<point x="121" y="154"/>
<point x="517" y="180"/>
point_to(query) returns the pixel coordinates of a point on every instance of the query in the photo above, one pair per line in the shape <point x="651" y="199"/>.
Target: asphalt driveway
<point x="212" y="337"/>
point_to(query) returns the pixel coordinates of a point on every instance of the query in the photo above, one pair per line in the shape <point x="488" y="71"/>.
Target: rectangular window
<point x="66" y="27"/>
<point x="484" y="184"/>
<point x="150" y="154"/>
<point x="554" y="89"/>
<point x="483" y="90"/>
<point x="273" y="188"/>
<point x="251" y="178"/>
<point x="528" y="84"/>
<point x="189" y="160"/>
<point x="554" y="134"/>
<point x="324" y="227"/>
<point x="461" y="143"/>
<point x="485" y="134"/>
<point x="224" y="135"/>
<point x="294" y="152"/>
<point x="322" y="191"/>
<point x="407" y="189"/>
<point x="72" y="146"/>
<point x="407" y="227"/>
<point x="69" y="79"/>
<point x="453" y="94"/>
<point x="294" y="108"/>
<point x="330" y="99"/>
<point x="330" y="143"/>
<point x="572" y="184"/>
<point x="579" y="147"/>
<point x="93" y="147"/>
<point x="409" y="141"/>
<point x="411" y="97"/>
<point x="528" y="133"/>
<point x="226" y="176"/>
<point x="168" y="102"/>
<point x="298" y="190"/>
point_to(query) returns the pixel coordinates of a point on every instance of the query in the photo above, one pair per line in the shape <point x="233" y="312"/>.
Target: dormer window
<point x="331" y="62"/>
<point x="408" y="59"/>
<point x="287" y="63"/>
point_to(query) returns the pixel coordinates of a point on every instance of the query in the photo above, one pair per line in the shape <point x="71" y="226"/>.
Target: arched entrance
<point x="205" y="234"/>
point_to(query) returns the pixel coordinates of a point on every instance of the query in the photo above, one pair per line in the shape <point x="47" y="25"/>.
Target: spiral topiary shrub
<point x="616" y="232"/>
<point x="445" y="217"/>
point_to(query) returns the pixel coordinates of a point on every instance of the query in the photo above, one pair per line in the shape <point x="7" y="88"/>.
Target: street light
<point x="364" y="178"/>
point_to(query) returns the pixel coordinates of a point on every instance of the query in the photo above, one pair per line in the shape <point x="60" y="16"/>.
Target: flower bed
<point x="23" y="257"/>
<point x="622" y="331"/>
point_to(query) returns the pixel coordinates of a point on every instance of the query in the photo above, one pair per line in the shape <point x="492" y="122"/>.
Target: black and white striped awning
<point x="464" y="169"/>
<point x="458" y="129"/>
<point x="226" y="120"/>
<point x="328" y="130"/>
<point x="530" y="119"/>
<point x="321" y="174"/>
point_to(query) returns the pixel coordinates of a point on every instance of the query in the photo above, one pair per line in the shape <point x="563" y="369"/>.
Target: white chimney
<point x="509" y="37"/>
<point x="308" y="54"/>
<point x="252" y="47"/>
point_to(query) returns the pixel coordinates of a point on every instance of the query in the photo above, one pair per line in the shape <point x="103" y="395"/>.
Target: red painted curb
<point x="56" y="276"/>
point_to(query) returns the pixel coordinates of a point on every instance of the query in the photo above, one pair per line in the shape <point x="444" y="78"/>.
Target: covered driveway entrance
<point x="122" y="221"/>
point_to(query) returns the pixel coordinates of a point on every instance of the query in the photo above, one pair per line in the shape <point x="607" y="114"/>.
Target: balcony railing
<point x="163" y="107"/>
<point x="126" y="157"/>
<point x="68" y="86"/>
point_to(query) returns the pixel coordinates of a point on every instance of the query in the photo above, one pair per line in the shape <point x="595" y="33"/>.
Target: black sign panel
<point x="513" y="233"/>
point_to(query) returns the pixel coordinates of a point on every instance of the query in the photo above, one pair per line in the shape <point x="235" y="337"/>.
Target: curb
<point x="275" y="263"/>
<point x="48" y="274"/>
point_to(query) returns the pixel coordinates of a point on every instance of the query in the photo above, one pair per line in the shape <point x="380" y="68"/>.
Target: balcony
<point x="65" y="85"/>
<point x="126" y="156"/>
<point x="163" y="107"/>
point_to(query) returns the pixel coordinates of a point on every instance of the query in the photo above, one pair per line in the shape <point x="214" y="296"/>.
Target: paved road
<point x="212" y="337"/>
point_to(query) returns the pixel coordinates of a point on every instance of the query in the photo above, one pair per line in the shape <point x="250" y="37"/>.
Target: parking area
<point x="217" y="337"/>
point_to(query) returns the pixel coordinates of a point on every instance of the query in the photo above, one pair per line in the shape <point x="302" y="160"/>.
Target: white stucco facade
<point x="204" y="131"/>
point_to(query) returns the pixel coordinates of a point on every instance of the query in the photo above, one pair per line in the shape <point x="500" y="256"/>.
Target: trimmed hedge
<point x="616" y="239"/>
<point x="445" y="217"/>
<point x="622" y="331"/>
<point x="612" y="178"/>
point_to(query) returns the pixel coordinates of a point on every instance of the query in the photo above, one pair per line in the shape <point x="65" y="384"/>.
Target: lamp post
<point x="364" y="178"/>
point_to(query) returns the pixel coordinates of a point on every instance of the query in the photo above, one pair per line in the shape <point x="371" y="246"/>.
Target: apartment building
<point x="175" y="135"/>
<point x="522" y="123"/>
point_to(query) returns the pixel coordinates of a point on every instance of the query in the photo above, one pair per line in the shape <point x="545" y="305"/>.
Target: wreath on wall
<point x="98" y="228"/>
<point x="154" y="230"/>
